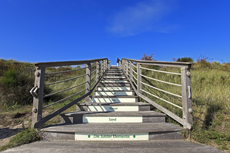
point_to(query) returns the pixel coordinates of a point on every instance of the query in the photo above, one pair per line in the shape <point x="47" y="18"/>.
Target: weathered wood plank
<point x="139" y="78"/>
<point x="88" y="79"/>
<point x="66" y="63"/>
<point x="186" y="95"/>
<point x="162" y="63"/>
<point x="38" y="101"/>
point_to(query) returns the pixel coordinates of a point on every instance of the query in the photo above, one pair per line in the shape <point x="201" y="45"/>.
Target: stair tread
<point x="113" y="85"/>
<point x="115" y="104"/>
<point x="110" y="128"/>
<point x="113" y="90"/>
<point x="120" y="113"/>
<point x="130" y="96"/>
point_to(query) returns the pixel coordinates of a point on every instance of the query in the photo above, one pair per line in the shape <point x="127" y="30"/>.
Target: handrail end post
<point x="38" y="100"/>
<point x="186" y="95"/>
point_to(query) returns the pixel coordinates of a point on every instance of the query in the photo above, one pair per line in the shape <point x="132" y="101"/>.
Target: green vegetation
<point x="16" y="79"/>
<point x="185" y="59"/>
<point x="210" y="95"/>
<point x="26" y="136"/>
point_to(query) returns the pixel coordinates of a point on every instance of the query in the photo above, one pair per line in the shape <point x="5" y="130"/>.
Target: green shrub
<point x="9" y="78"/>
<point x="26" y="136"/>
<point x="16" y="80"/>
<point x="185" y="59"/>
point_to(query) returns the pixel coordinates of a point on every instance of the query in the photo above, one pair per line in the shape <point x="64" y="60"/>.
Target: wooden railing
<point x="140" y="81"/>
<point x="90" y="67"/>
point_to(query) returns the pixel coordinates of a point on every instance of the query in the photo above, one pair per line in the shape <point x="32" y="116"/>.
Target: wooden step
<point x="114" y="74"/>
<point x="114" y="81"/>
<point x="142" y="131"/>
<point x="101" y="84"/>
<point x="114" y="99"/>
<point x="113" y="77"/>
<point x="137" y="106"/>
<point x="112" y="117"/>
<point x="115" y="93"/>
<point x="112" y="88"/>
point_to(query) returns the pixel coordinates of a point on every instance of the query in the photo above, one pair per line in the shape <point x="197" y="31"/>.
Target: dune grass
<point x="210" y="95"/>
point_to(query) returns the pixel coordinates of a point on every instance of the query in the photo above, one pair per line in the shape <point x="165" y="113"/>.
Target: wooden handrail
<point x="66" y="63"/>
<point x="162" y="63"/>
<point x="186" y="119"/>
<point x="38" y="90"/>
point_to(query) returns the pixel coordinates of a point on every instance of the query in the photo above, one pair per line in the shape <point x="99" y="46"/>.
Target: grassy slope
<point x="210" y="89"/>
<point x="211" y="101"/>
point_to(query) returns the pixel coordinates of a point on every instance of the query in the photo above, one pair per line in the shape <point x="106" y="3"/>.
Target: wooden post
<point x="104" y="68"/>
<point x="127" y="65"/>
<point x="88" y="79"/>
<point x="139" y="78"/>
<point x="120" y="65"/>
<point x="106" y="64"/>
<point x="97" y="71"/>
<point x="130" y="71"/>
<point x="38" y="101"/>
<point x="123" y="66"/>
<point x="101" y="67"/>
<point x="186" y="95"/>
<point x="109" y="64"/>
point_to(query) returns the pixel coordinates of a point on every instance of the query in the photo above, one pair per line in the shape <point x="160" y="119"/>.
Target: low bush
<point x="26" y="136"/>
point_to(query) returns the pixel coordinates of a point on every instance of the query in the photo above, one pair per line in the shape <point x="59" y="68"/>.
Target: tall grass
<point x="210" y="95"/>
<point x="16" y="79"/>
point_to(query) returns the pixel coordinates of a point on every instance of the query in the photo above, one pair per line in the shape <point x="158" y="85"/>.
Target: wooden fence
<point x="94" y="66"/>
<point x="133" y="70"/>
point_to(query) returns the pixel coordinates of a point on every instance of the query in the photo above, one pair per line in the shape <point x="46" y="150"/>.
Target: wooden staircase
<point x="114" y="113"/>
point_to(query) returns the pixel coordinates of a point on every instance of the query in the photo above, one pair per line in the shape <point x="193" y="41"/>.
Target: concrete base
<point x="172" y="146"/>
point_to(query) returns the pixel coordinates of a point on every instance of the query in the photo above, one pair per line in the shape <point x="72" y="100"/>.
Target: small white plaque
<point x="112" y="119"/>
<point x="112" y="137"/>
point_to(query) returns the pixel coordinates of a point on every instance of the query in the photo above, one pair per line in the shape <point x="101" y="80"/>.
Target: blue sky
<point x="60" y="30"/>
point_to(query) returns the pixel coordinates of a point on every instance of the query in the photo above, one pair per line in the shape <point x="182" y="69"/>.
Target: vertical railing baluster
<point x="186" y="94"/>
<point x="88" y="80"/>
<point x="139" y="79"/>
<point x="38" y="100"/>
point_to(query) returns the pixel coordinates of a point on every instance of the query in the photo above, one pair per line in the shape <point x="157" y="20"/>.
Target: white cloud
<point x="142" y="17"/>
